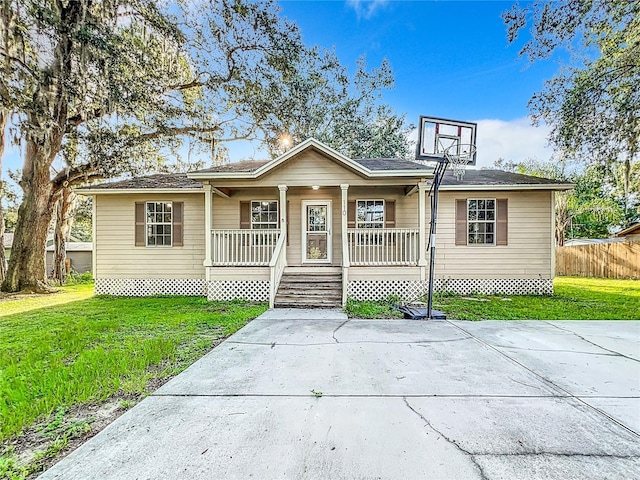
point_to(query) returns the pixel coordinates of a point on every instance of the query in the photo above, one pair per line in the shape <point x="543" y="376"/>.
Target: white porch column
<point x="283" y="216"/>
<point x="208" y="225"/>
<point x="422" y="227"/>
<point x="344" y="187"/>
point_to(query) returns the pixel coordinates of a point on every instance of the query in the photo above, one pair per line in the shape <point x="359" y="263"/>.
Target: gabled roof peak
<point x="369" y="168"/>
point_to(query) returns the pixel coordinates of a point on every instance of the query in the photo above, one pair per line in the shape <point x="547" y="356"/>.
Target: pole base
<point x="437" y="315"/>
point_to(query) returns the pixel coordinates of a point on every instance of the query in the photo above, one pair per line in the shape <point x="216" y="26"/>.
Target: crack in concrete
<point x="338" y="328"/>
<point x="508" y="347"/>
<point x="617" y="354"/>
<point x="471" y="456"/>
<point x="545" y="379"/>
<point x="372" y="342"/>
<point x="558" y="454"/>
<point x="347" y="395"/>
<point x="526" y="384"/>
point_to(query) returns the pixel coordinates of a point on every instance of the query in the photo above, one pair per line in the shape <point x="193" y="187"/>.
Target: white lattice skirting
<point x="253" y="290"/>
<point x="144" y="287"/>
<point x="414" y="289"/>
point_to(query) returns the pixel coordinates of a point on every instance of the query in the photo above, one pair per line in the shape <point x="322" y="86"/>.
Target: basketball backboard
<point x="435" y="135"/>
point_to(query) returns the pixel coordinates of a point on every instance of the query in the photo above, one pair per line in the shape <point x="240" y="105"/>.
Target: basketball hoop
<point x="458" y="156"/>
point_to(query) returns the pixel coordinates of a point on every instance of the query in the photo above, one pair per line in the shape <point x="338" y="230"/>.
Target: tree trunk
<point x="27" y="263"/>
<point x="3" y="260"/>
<point x="625" y="185"/>
<point x="64" y="220"/>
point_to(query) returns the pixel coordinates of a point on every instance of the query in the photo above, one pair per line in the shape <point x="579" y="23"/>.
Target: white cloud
<point x="515" y="140"/>
<point x="366" y="8"/>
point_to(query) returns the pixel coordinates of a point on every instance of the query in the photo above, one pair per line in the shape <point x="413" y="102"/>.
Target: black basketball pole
<point x="433" y="195"/>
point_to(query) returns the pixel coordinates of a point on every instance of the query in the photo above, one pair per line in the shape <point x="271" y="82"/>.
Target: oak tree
<point x="104" y="87"/>
<point x="593" y="104"/>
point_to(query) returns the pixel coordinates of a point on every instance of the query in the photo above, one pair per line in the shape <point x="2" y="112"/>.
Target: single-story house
<point x="630" y="234"/>
<point x="575" y="242"/>
<point x="315" y="227"/>
<point x="79" y="254"/>
<point x="79" y="257"/>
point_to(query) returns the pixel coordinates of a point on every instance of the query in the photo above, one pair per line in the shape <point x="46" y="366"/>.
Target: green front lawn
<point x="88" y="351"/>
<point x="19" y="303"/>
<point x="575" y="298"/>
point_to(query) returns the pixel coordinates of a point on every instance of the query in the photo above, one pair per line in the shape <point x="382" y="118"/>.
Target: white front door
<point x="316" y="231"/>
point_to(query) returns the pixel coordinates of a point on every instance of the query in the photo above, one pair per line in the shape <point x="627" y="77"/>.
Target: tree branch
<point x="19" y="62"/>
<point x="178" y="131"/>
<point x="73" y="176"/>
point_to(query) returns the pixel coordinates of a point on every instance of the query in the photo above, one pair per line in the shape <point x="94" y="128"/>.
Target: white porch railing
<point x="383" y="246"/>
<point x="243" y="247"/>
<point x="277" y="264"/>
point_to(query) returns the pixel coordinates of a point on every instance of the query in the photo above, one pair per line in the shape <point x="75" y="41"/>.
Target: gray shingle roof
<point x="497" y="177"/>
<point x="387" y="164"/>
<point x="75" y="247"/>
<point x="471" y="177"/>
<point x="242" y="166"/>
<point x="375" y="164"/>
<point x="160" y="180"/>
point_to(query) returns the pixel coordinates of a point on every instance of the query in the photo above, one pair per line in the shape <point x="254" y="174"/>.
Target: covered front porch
<point x="363" y="230"/>
<point x="312" y="207"/>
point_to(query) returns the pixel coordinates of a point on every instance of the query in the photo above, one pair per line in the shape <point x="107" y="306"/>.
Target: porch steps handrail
<point x="383" y="246"/>
<point x="276" y="265"/>
<point x="243" y="247"/>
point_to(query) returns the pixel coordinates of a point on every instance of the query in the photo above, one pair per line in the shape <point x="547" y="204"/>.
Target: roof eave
<point x="544" y="186"/>
<point x="627" y="230"/>
<point x="102" y="191"/>
<point x="310" y="143"/>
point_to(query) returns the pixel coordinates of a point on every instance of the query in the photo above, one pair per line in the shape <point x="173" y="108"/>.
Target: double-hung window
<point x="264" y="214"/>
<point x="159" y="223"/>
<point x="370" y="214"/>
<point x="481" y="221"/>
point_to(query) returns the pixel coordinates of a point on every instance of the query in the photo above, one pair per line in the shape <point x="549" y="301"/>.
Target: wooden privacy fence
<point x="602" y="260"/>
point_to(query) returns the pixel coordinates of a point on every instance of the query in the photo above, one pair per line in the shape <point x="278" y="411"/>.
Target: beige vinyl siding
<point x="312" y="168"/>
<point x="308" y="167"/>
<point x="118" y="257"/>
<point x="239" y="273"/>
<point x="406" y="207"/>
<point x="226" y="212"/>
<point x="528" y="253"/>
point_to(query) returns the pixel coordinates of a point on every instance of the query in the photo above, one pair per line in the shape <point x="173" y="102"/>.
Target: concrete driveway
<point x="395" y="399"/>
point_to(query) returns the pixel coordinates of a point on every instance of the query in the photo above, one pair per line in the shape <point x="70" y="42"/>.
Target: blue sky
<point x="450" y="59"/>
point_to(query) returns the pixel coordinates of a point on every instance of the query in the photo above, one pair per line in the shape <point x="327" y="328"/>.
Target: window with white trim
<point x="481" y="221"/>
<point x="370" y="214"/>
<point x="264" y="214"/>
<point x="159" y="224"/>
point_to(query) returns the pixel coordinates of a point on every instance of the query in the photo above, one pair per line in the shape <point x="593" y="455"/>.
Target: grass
<point x="89" y="350"/>
<point x="373" y="309"/>
<point x="575" y="298"/>
<point x="20" y="303"/>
